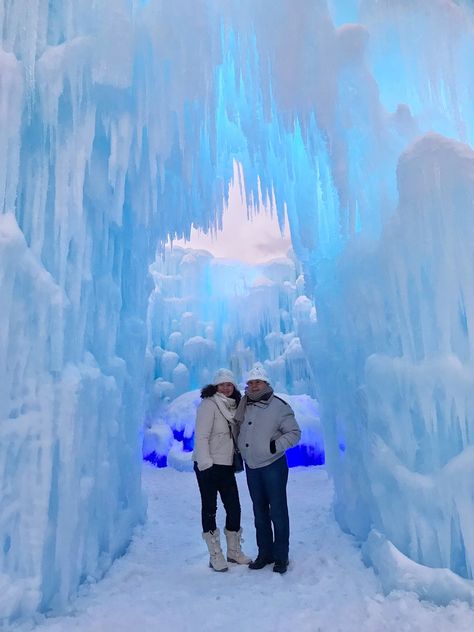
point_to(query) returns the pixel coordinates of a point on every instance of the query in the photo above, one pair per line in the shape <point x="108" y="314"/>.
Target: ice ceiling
<point x="121" y="122"/>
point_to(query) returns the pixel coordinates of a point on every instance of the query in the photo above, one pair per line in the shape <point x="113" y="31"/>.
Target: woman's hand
<point x="207" y="472"/>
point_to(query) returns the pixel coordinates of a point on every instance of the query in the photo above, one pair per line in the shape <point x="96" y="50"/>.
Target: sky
<point x="253" y="240"/>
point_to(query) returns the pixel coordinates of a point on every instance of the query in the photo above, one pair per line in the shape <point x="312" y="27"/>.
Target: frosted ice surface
<point x="180" y="459"/>
<point x="395" y="370"/>
<point x="158" y="440"/>
<point x="169" y="361"/>
<point x="398" y="572"/>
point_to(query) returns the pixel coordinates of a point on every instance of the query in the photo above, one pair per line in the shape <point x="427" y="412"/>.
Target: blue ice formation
<point x="168" y="435"/>
<point x="206" y="312"/>
<point x="107" y="149"/>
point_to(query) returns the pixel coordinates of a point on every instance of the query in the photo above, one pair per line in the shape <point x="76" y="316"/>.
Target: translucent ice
<point x="394" y="364"/>
<point x="235" y="314"/>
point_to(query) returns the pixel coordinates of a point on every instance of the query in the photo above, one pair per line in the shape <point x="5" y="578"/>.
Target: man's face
<point x="256" y="386"/>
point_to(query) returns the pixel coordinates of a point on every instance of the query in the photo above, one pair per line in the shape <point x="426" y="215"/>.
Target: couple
<point x="264" y="426"/>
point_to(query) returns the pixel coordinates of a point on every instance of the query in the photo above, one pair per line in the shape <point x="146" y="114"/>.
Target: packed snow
<point x="164" y="582"/>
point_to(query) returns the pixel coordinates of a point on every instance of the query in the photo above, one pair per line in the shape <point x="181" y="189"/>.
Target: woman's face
<point x="226" y="388"/>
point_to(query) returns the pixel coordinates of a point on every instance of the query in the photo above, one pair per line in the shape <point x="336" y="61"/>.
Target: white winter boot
<point x="216" y="560"/>
<point x="234" y="550"/>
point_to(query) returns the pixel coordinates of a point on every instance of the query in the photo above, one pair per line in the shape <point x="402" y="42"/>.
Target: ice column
<point x="393" y="353"/>
<point x="98" y="142"/>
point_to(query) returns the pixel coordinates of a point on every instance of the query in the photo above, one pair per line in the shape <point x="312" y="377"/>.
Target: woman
<point x="213" y="457"/>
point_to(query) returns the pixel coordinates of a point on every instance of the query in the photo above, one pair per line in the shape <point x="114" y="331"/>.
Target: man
<point x="267" y="428"/>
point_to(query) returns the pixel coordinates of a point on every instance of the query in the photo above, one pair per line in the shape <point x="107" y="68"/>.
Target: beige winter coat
<point x="212" y="439"/>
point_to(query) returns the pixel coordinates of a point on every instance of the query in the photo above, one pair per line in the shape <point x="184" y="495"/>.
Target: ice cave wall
<point x="394" y="313"/>
<point x="396" y="373"/>
<point x="94" y="147"/>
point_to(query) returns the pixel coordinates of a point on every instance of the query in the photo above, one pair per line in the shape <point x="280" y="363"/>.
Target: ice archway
<point x="120" y="124"/>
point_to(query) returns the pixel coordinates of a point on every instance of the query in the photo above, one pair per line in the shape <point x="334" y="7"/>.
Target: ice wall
<point x="397" y="336"/>
<point x="95" y="140"/>
<point x="391" y="352"/>
<point x="349" y="101"/>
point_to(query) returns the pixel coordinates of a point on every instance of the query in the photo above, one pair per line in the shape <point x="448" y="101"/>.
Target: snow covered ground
<point x="164" y="583"/>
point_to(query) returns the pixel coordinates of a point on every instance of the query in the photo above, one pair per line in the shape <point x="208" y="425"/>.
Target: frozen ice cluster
<point x="96" y="147"/>
<point x="168" y="436"/>
<point x="396" y="374"/>
<point x="206" y="312"/>
<point x="121" y="121"/>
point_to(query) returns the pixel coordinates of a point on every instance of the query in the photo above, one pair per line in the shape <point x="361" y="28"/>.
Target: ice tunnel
<point x="121" y="123"/>
<point x="232" y="297"/>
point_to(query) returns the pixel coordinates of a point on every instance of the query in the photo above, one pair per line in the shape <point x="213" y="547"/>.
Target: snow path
<point x="163" y="583"/>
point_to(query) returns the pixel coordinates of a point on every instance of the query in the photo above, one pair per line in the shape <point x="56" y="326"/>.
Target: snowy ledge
<point x="398" y="572"/>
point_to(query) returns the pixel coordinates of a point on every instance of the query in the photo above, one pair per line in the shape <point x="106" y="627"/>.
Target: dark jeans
<point x="218" y="479"/>
<point x="267" y="487"/>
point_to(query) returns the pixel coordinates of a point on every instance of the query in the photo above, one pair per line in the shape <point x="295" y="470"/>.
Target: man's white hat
<point x="257" y="372"/>
<point x="224" y="375"/>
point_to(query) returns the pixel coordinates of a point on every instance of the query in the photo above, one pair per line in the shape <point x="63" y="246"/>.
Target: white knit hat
<point x="224" y="375"/>
<point x="257" y="372"/>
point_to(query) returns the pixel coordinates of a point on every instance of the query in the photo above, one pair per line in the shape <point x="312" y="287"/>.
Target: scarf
<point x="262" y="396"/>
<point x="226" y="406"/>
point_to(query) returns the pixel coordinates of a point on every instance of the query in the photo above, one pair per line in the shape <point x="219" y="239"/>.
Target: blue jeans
<point x="267" y="487"/>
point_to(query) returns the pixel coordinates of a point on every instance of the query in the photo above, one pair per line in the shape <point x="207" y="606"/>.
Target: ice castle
<point x="121" y="121"/>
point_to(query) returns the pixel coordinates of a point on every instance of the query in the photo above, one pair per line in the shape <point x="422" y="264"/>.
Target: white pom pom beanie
<point x="257" y="372"/>
<point x="224" y="375"/>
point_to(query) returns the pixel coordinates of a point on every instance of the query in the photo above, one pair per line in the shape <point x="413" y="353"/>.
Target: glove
<point x="273" y="448"/>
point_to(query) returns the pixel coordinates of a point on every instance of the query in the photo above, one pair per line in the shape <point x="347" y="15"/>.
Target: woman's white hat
<point x="257" y="372"/>
<point x="224" y="375"/>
